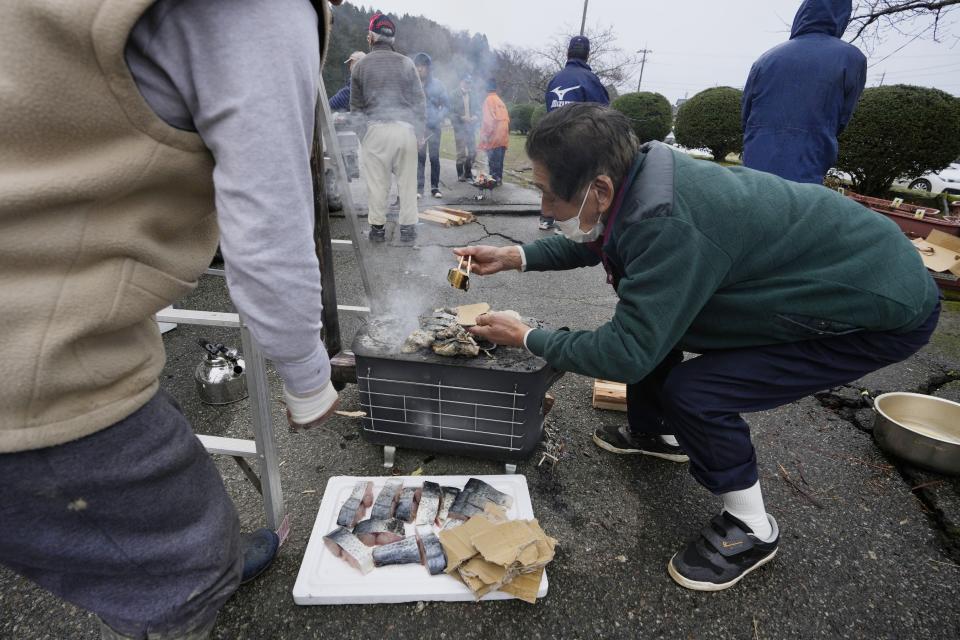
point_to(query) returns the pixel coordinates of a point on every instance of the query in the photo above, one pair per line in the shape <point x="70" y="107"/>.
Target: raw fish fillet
<point x="448" y="495"/>
<point x="352" y="510"/>
<point x="429" y="503"/>
<point x="474" y="497"/>
<point x="409" y="501"/>
<point x="344" y="544"/>
<point x="405" y="551"/>
<point x="386" y="502"/>
<point x="374" y="532"/>
<point x="431" y="551"/>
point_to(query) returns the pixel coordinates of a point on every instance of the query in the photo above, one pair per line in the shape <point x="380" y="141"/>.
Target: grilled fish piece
<point x="405" y="551"/>
<point x="429" y="503"/>
<point x="386" y="502"/>
<point x="352" y="510"/>
<point x="448" y="495"/>
<point x="431" y="551"/>
<point x="344" y="544"/>
<point x="474" y="497"/>
<point x="409" y="501"/>
<point x="377" y="532"/>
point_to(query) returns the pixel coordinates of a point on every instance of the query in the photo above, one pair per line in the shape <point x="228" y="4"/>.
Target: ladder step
<point x="229" y="446"/>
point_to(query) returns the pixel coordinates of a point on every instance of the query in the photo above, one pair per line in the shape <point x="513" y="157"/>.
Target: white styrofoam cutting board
<point x="326" y="579"/>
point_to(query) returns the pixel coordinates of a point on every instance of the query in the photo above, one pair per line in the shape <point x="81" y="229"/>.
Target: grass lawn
<point x="516" y="165"/>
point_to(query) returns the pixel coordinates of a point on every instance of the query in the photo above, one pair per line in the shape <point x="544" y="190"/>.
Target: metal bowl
<point x="923" y="430"/>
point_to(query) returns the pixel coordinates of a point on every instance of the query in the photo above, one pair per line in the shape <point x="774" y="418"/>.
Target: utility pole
<point x="881" y="79"/>
<point x="583" y="23"/>
<point x="643" y="63"/>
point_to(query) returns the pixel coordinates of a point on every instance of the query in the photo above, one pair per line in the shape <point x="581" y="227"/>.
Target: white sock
<point x="670" y="440"/>
<point x="747" y="506"/>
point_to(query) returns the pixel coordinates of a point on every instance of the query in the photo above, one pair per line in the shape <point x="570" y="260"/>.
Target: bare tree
<point x="916" y="18"/>
<point x="612" y="64"/>
<point x="520" y="75"/>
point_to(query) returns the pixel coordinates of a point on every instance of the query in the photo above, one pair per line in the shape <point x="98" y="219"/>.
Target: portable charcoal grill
<point x="485" y="186"/>
<point x="488" y="407"/>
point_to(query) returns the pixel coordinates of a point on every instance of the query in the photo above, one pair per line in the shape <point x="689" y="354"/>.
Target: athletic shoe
<point x="724" y="553"/>
<point x="408" y="233"/>
<point x="461" y="178"/>
<point x="378" y="234"/>
<point x="419" y="196"/>
<point x="259" y="548"/>
<point x="436" y="193"/>
<point x="546" y="223"/>
<point x="621" y="441"/>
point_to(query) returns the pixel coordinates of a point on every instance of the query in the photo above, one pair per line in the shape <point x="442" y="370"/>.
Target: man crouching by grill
<point x="784" y="289"/>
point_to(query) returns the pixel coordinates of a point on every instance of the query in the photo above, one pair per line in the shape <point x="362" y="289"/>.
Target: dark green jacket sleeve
<point x="557" y="253"/>
<point x="671" y="271"/>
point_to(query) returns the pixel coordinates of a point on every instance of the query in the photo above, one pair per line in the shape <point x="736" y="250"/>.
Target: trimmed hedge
<point x="711" y="119"/>
<point x="899" y="131"/>
<point x="650" y="114"/>
<point x="520" y="117"/>
<point x="538" y="112"/>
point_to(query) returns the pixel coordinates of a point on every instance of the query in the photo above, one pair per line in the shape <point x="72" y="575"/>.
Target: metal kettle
<point x="221" y="377"/>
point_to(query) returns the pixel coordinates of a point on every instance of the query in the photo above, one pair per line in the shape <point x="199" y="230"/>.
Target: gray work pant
<point x="132" y="523"/>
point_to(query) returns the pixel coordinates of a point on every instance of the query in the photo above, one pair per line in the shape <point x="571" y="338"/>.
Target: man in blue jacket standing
<point x="800" y="95"/>
<point x="438" y="106"/>
<point x="576" y="82"/>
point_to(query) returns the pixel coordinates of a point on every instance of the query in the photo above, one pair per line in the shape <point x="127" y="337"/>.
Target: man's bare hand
<point x="489" y="260"/>
<point x="500" y="328"/>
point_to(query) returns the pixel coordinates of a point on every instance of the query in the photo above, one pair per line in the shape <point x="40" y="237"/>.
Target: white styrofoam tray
<point x="326" y="579"/>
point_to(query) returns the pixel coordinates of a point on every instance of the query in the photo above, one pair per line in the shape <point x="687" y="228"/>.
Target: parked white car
<point x="943" y="181"/>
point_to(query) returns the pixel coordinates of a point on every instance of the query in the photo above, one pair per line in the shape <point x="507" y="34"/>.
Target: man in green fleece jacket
<point x="784" y="289"/>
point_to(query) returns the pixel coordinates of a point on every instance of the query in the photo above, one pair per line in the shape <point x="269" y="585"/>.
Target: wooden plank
<point x="457" y="220"/>
<point x="609" y="395"/>
<point x="460" y="213"/>
<point x="427" y="217"/>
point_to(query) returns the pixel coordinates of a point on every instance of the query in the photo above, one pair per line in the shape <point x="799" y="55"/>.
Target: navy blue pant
<point x="132" y="523"/>
<point x="432" y="146"/>
<point x="700" y="400"/>
<point x="495" y="159"/>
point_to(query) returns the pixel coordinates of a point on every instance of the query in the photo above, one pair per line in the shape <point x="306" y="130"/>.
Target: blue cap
<point x="579" y="47"/>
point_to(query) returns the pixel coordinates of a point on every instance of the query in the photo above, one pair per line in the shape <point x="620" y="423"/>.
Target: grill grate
<point x="452" y="414"/>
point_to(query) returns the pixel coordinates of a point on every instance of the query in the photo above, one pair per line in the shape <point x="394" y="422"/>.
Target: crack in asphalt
<point x="847" y="406"/>
<point x="490" y="234"/>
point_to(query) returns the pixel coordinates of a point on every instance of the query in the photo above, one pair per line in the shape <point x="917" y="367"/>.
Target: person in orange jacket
<point x="494" y="131"/>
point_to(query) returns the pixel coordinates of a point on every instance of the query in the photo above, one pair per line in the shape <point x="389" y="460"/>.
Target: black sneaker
<point x="408" y="233"/>
<point x="378" y="234"/>
<point x="726" y="551"/>
<point x="619" y="440"/>
<point x="436" y="193"/>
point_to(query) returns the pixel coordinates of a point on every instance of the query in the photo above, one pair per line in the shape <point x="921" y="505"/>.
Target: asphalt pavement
<point x="864" y="552"/>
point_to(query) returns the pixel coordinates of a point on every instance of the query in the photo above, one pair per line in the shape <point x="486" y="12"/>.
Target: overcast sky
<point x="696" y="44"/>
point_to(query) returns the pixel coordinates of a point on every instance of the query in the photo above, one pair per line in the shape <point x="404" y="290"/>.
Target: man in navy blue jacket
<point x="438" y="106"/>
<point x="341" y="99"/>
<point x="576" y="82"/>
<point x="800" y="95"/>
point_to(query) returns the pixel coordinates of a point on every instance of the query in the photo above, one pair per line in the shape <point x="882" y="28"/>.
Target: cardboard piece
<point x="524" y="586"/>
<point x="457" y="543"/>
<point x="504" y="543"/>
<point x="940" y="252"/>
<point x="489" y="553"/>
<point x="467" y="313"/>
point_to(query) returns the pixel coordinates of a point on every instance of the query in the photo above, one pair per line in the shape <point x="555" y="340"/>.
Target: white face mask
<point x="571" y="228"/>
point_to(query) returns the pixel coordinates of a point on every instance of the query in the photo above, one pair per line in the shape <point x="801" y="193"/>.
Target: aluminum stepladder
<point x="263" y="447"/>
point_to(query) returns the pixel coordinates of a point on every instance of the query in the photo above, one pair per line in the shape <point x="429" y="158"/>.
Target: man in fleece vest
<point x="137" y="135"/>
